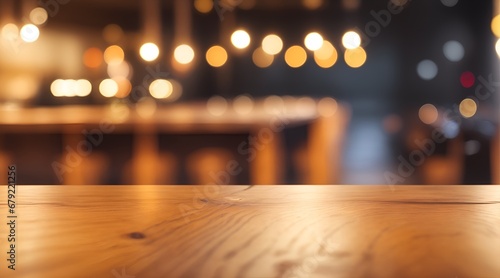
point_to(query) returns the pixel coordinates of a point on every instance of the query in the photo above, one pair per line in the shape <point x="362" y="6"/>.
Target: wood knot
<point x="137" y="235"/>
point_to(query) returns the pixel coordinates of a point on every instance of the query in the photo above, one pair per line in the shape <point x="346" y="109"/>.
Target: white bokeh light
<point x="29" y="33"/>
<point x="313" y="41"/>
<point x="453" y="51"/>
<point x="149" y="51"/>
<point x="351" y="40"/>
<point x="427" y="69"/>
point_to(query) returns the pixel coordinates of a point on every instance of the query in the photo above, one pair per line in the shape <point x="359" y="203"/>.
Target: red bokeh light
<point x="467" y="79"/>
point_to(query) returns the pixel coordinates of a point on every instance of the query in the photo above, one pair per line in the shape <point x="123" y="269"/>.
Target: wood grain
<point x="259" y="231"/>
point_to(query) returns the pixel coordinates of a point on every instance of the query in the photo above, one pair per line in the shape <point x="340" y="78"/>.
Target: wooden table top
<point x="259" y="231"/>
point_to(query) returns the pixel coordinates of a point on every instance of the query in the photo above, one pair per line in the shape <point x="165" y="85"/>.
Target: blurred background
<point x="250" y="91"/>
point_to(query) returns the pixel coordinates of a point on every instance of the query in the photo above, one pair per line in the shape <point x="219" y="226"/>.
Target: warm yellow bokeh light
<point x="108" y="88"/>
<point x="39" y="16"/>
<point x="112" y="33"/>
<point x="355" y="58"/>
<point x="243" y="104"/>
<point x="495" y="26"/>
<point x="124" y="86"/>
<point x="428" y="113"/>
<point x="92" y="57"/>
<point x="351" y="40"/>
<point x="313" y="41"/>
<point x="114" y="55"/>
<point x="10" y="31"/>
<point x="29" y="33"/>
<point x="82" y="87"/>
<point x="272" y="44"/>
<point x="217" y="105"/>
<point x="149" y="51"/>
<point x="216" y="56"/>
<point x="261" y="58"/>
<point x="161" y="88"/>
<point x="312" y="4"/>
<point x="295" y="56"/>
<point x="184" y="54"/>
<point x="327" y="107"/>
<point x="123" y="70"/>
<point x="71" y="88"/>
<point x="326" y="56"/>
<point x="203" y="6"/>
<point x="468" y="108"/>
<point x="240" y="39"/>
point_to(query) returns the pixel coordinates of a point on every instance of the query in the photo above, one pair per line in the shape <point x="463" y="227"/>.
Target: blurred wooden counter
<point x="265" y="120"/>
<point x="240" y="231"/>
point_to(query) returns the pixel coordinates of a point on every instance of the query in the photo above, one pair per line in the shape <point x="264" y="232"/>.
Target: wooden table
<point x="259" y="231"/>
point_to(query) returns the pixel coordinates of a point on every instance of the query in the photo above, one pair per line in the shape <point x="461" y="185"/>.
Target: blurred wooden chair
<point x="445" y="169"/>
<point x="325" y="143"/>
<point x="204" y="166"/>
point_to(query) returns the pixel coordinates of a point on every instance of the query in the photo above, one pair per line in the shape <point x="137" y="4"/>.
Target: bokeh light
<point x="497" y="47"/>
<point x="326" y="56"/>
<point x="427" y="69"/>
<point x="261" y="59"/>
<point x="29" y="33"/>
<point x="112" y="33"/>
<point x="313" y="41"/>
<point x="240" y="39"/>
<point x="327" y="107"/>
<point x="92" y="57"/>
<point x="468" y="108"/>
<point x="217" y="105"/>
<point x="184" y="54"/>
<point x="355" y="58"/>
<point x="149" y="51"/>
<point x="495" y="26"/>
<point x="453" y="51"/>
<point x="161" y="88"/>
<point x="108" y="88"/>
<point x="351" y="40"/>
<point x="123" y="70"/>
<point x="449" y="3"/>
<point x="467" y="79"/>
<point x="295" y="56"/>
<point x="216" y="56"/>
<point x="70" y="88"/>
<point x="114" y="55"/>
<point x="243" y="104"/>
<point x="351" y="5"/>
<point x="38" y="16"/>
<point x="203" y="6"/>
<point x="312" y="4"/>
<point x="83" y="87"/>
<point x="10" y="31"/>
<point x="124" y="87"/>
<point x="272" y="44"/>
<point x="428" y="113"/>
